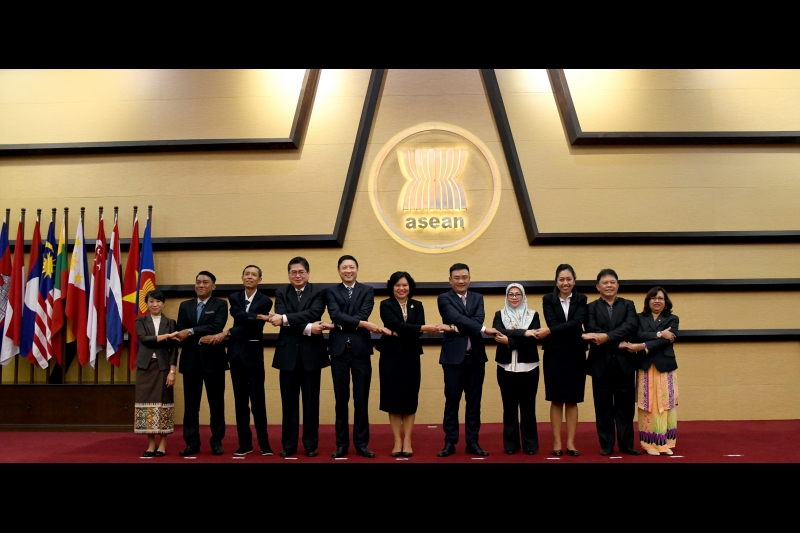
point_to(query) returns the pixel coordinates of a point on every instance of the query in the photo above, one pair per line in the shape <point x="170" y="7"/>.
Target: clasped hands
<point x="638" y="347"/>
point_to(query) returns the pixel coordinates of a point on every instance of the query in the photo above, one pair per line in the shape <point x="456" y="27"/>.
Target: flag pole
<point x="53" y="222"/>
<point x="16" y="361"/>
<point x="38" y="221"/>
<point x="97" y="359"/>
<point x="130" y="338"/>
<point x="8" y="219"/>
<point x="80" y="366"/>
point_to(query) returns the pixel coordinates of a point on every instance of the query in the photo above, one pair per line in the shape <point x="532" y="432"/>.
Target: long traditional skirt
<point x="154" y="402"/>
<point x="656" y="400"/>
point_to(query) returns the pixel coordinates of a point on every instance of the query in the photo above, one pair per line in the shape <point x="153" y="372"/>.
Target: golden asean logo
<point x="434" y="188"/>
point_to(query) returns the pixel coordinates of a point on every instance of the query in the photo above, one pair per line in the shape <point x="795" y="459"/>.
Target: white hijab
<point x="519" y="317"/>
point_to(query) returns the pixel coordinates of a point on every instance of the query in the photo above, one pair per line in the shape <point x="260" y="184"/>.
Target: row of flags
<point x="38" y="312"/>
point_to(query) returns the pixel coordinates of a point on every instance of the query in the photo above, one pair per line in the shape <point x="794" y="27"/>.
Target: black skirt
<point x="564" y="376"/>
<point x="400" y="376"/>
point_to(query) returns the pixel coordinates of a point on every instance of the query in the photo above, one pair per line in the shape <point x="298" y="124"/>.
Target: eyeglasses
<point x="657" y="299"/>
<point x="514" y="295"/>
<point x="297" y="272"/>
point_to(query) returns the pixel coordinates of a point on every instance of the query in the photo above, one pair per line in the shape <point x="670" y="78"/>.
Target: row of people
<point x="608" y="325"/>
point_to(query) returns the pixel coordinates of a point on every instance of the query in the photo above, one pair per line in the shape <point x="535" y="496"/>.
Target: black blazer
<point x="408" y="332"/>
<point x="527" y="352"/>
<point x="208" y="357"/>
<point x="469" y="322"/>
<point x="166" y="351"/>
<point x="248" y="332"/>
<point x="292" y="344"/>
<point x="565" y="333"/>
<point x="621" y="328"/>
<point x="660" y="351"/>
<point x="347" y="313"/>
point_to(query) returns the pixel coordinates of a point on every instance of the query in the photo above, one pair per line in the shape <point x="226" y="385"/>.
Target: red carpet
<point x="768" y="441"/>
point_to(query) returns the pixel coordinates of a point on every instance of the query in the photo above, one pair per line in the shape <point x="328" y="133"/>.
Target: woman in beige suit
<point x="155" y="375"/>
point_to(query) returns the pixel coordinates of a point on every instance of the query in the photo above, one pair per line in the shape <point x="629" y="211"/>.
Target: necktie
<point x="247" y="307"/>
<point x="349" y="292"/>
<point x="464" y="301"/>
<point x="200" y="306"/>
<point x="299" y="294"/>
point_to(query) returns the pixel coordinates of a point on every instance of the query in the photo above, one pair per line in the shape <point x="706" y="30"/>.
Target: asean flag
<point x="147" y="270"/>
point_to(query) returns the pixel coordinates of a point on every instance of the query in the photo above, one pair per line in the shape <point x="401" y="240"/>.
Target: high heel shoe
<point x="406" y="454"/>
<point x="667" y="452"/>
<point x="397" y="454"/>
<point x="573" y="453"/>
<point x="558" y="453"/>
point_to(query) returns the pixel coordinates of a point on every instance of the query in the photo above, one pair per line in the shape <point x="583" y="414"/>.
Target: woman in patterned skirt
<point x="656" y="379"/>
<point x="155" y="375"/>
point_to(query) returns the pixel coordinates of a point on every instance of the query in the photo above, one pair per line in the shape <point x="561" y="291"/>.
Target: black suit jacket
<point x="166" y="351"/>
<point x="527" y="352"/>
<point x="208" y="357"/>
<point x="565" y="332"/>
<point x="247" y="332"/>
<point x="347" y="313"/>
<point x="622" y="327"/>
<point x="660" y="351"/>
<point x="292" y="344"/>
<point x="469" y="322"/>
<point x="408" y="331"/>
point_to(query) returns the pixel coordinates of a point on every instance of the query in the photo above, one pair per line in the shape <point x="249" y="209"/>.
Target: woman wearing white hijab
<point x="518" y="370"/>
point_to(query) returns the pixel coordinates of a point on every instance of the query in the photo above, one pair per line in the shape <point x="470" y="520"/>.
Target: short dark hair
<point x="458" y="266"/>
<point x="397" y="276"/>
<point x="607" y="272"/>
<point x="345" y="258"/>
<point x="652" y="294"/>
<point x="155" y="294"/>
<point x="560" y="268"/>
<point x="260" y="274"/>
<point x="298" y="260"/>
<point x="206" y="273"/>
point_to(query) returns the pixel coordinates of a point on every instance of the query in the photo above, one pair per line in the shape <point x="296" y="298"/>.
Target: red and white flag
<point x="77" y="303"/>
<point x="96" y="321"/>
<point x="12" y="326"/>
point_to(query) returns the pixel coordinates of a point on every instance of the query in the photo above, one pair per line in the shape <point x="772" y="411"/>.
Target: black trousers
<point x="192" y="393"/>
<point x="361" y="368"/>
<point x="614" y="401"/>
<point x="292" y="383"/>
<point x="466" y="378"/>
<point x="249" y="395"/>
<point x="518" y="392"/>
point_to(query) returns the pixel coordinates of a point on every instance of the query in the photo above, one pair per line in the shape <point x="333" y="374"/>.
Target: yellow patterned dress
<point x="656" y="401"/>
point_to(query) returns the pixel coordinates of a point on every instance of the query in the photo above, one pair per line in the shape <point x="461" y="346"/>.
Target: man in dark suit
<point x="611" y="320"/>
<point x="350" y="345"/>
<point x="300" y="355"/>
<point x="250" y="310"/>
<point x="202" y="362"/>
<point x="463" y="359"/>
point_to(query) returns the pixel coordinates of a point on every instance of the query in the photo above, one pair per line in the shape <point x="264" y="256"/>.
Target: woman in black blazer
<point x="399" y="367"/>
<point x="156" y="361"/>
<point x="564" y="355"/>
<point x="656" y="379"/>
<point x="517" y="360"/>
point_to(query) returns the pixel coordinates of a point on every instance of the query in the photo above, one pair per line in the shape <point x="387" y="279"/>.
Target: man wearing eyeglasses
<point x="300" y="355"/>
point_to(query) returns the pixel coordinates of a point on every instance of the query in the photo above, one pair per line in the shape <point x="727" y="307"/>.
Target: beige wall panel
<point x="523" y="80"/>
<point x="433" y="82"/>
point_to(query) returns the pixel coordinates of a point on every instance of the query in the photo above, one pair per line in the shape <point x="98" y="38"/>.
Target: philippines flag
<point x="77" y="302"/>
<point x="130" y="291"/>
<point x="114" y="313"/>
<point x="12" y="326"/>
<point x="96" y="322"/>
<point x="5" y="273"/>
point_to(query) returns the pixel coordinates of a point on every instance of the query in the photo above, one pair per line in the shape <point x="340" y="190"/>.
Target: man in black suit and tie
<point x="350" y="345"/>
<point x="250" y="310"/>
<point x="300" y="356"/>
<point x="202" y="362"/>
<point x="463" y="359"/>
<point x="611" y="320"/>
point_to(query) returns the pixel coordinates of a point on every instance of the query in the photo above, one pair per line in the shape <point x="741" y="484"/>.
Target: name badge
<point x="209" y="312"/>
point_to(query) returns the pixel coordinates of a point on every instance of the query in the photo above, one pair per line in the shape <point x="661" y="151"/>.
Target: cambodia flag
<point x="96" y="322"/>
<point x="114" y="311"/>
<point x="12" y="326"/>
<point x="130" y="293"/>
<point x="77" y="302"/>
<point x="5" y="273"/>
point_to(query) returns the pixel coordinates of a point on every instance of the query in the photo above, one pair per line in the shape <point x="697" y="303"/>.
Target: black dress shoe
<point x="406" y="454"/>
<point x="606" y="451"/>
<point x="558" y="453"/>
<point x="286" y="453"/>
<point x="531" y="452"/>
<point x="266" y="451"/>
<point x="243" y="450"/>
<point x="475" y="449"/>
<point x="631" y="451"/>
<point x="147" y="453"/>
<point x="398" y="454"/>
<point x="365" y="452"/>
<point x="189" y="451"/>
<point x="449" y="449"/>
<point x="573" y="453"/>
<point x="159" y="453"/>
<point x="511" y="452"/>
<point x="312" y="453"/>
<point x="217" y="449"/>
<point x="341" y="451"/>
